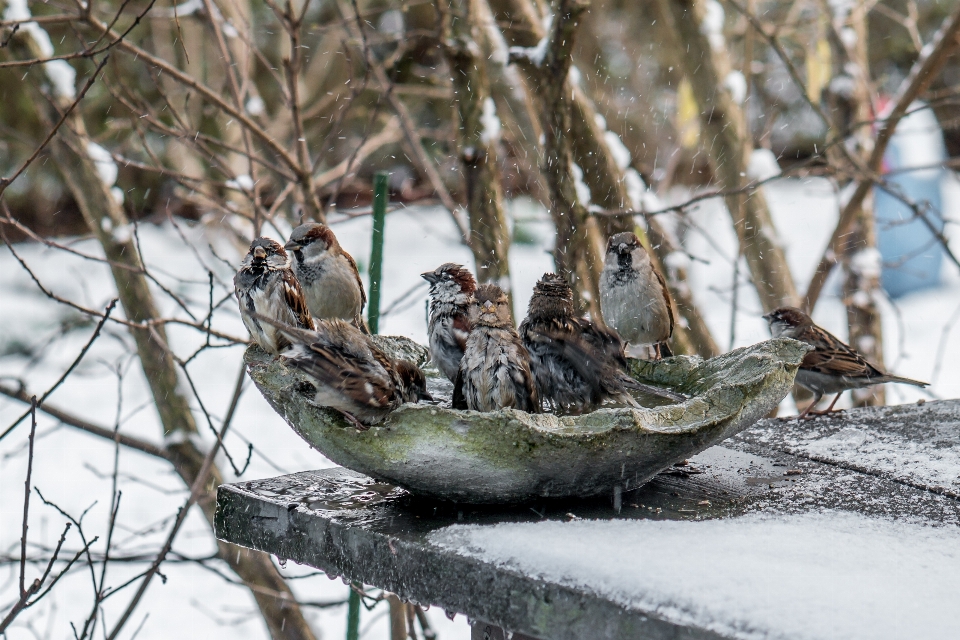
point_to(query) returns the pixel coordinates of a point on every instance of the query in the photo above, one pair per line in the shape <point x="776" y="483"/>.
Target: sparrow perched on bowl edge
<point x="495" y="369"/>
<point x="832" y="366"/>
<point x="266" y="285"/>
<point x="351" y="374"/>
<point x="577" y="363"/>
<point x="634" y="298"/>
<point x="451" y="296"/>
<point x="328" y="274"/>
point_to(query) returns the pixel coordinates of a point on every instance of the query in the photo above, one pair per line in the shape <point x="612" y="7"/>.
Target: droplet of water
<point x="283" y="562"/>
<point x="450" y="614"/>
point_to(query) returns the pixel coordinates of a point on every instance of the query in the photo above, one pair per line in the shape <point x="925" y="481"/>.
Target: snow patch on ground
<point x="816" y="576"/>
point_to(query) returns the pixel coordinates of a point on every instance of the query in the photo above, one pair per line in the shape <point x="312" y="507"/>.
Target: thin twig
<point x="6" y="182"/>
<point x="73" y="365"/>
<point x="78" y="423"/>
<point x="196" y="488"/>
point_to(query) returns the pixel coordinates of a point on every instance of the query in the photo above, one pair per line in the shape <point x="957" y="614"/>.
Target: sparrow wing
<point x="606" y="340"/>
<point x="461" y="330"/>
<point x="611" y="370"/>
<point x="833" y="357"/>
<point x="293" y="294"/>
<point x="521" y="376"/>
<point x="356" y="273"/>
<point x="363" y="381"/>
<point x="666" y="297"/>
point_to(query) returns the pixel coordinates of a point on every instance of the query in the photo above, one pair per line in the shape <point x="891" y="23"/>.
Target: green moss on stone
<point x="509" y="455"/>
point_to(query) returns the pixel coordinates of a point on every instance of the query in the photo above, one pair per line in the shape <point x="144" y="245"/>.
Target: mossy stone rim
<point x="511" y="456"/>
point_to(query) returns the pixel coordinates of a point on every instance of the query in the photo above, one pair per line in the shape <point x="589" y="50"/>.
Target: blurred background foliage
<point x="620" y="54"/>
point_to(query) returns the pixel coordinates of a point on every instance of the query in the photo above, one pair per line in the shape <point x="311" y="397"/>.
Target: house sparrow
<point x="577" y="363"/>
<point x="634" y="298"/>
<point x="451" y="296"/>
<point x="832" y="367"/>
<point x="328" y="274"/>
<point x="352" y="374"/>
<point x="495" y="369"/>
<point x="265" y="285"/>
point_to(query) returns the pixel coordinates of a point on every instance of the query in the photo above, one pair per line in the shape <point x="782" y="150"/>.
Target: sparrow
<point x="351" y="374"/>
<point x="451" y="296"/>
<point x="327" y="273"/>
<point x="577" y="363"/>
<point x="634" y="298"/>
<point x="832" y="366"/>
<point x="265" y="285"/>
<point x="495" y="369"/>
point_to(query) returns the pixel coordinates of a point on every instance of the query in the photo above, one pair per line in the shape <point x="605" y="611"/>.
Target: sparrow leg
<point x="828" y="409"/>
<point x="349" y="417"/>
<point x="808" y="410"/>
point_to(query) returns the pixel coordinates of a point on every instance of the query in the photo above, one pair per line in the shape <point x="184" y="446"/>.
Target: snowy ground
<point x="39" y="338"/>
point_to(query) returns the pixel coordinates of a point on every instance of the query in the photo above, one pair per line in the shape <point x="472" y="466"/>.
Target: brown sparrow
<point x="577" y="363"/>
<point x="451" y="296"/>
<point x="265" y="285"/>
<point x="328" y="274"/>
<point x="352" y="374"/>
<point x="495" y="369"/>
<point x="634" y="298"/>
<point x="832" y="366"/>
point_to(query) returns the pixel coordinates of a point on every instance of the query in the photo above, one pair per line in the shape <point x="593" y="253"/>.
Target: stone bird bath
<point x="511" y="456"/>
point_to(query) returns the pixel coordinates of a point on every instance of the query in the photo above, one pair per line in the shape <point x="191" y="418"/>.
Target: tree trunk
<point x="577" y="254"/>
<point x="859" y="256"/>
<point x="706" y="64"/>
<point x="105" y="217"/>
<point x="478" y="135"/>
<point x="608" y="188"/>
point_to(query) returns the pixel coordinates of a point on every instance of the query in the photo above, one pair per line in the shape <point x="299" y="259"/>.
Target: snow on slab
<point x="828" y="575"/>
<point x="921" y="448"/>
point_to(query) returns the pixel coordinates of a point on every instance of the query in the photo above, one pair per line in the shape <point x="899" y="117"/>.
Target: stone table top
<point x="890" y="464"/>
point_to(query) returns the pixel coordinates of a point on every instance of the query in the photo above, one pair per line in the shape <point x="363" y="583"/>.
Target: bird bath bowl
<point x="511" y="456"/>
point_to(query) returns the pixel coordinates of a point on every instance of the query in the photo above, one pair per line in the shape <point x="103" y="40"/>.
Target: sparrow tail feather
<point x="916" y="383"/>
<point x="292" y="333"/>
<point x="630" y="383"/>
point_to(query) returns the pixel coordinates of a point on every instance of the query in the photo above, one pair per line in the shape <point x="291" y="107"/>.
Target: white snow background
<point x="39" y="338"/>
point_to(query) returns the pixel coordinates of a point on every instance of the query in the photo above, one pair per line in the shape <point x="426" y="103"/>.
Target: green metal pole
<point x="380" y="196"/>
<point x="353" y="614"/>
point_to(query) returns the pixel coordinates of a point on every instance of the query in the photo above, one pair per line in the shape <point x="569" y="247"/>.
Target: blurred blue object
<point x="912" y="255"/>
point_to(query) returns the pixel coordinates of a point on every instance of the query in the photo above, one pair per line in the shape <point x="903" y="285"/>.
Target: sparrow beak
<point x="259" y="253"/>
<point x="487" y="306"/>
<point x="622" y="248"/>
<point x="767" y="316"/>
<point x="423" y="394"/>
<point x="430" y="277"/>
<point x="293" y="246"/>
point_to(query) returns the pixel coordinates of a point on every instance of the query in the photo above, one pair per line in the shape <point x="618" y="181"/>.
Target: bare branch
<point x="932" y="58"/>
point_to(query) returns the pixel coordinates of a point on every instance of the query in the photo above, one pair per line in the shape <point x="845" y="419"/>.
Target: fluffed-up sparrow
<point x="266" y="285"/>
<point x="832" y="366"/>
<point x="495" y="369"/>
<point x="577" y="363"/>
<point x="634" y="298"/>
<point x="351" y="374"/>
<point x="328" y="274"/>
<point x="451" y="296"/>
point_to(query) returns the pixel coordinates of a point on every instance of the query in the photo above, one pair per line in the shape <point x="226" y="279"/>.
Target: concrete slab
<point x="350" y="525"/>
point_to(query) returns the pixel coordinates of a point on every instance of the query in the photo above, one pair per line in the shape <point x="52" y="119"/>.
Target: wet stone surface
<point x="350" y="525"/>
